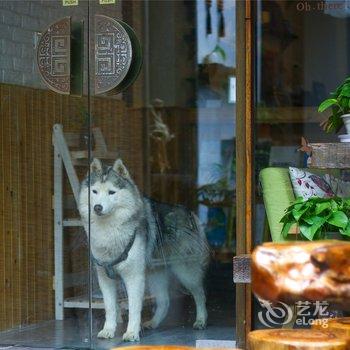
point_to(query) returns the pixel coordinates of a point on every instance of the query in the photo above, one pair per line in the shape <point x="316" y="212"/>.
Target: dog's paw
<point x="150" y="324"/>
<point x="200" y="324"/>
<point x="106" y="333"/>
<point x="131" y="336"/>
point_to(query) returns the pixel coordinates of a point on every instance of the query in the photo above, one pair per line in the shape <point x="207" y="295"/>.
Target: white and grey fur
<point x="172" y="233"/>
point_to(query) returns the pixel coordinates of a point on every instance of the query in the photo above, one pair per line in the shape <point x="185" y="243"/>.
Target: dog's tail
<point x="202" y="238"/>
<point x="198" y="225"/>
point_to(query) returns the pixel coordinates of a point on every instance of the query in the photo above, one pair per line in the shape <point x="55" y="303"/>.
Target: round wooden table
<point x="301" y="339"/>
<point x="156" y="347"/>
<point x="339" y="326"/>
<point x="166" y="347"/>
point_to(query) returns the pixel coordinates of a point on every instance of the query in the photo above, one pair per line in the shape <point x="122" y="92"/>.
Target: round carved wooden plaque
<point x="53" y="56"/>
<point x="113" y="54"/>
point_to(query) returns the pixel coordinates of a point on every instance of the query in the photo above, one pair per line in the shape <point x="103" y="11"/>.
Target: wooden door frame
<point x="245" y="187"/>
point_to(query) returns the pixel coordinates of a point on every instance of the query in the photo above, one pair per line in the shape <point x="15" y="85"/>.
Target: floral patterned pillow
<point x="306" y="184"/>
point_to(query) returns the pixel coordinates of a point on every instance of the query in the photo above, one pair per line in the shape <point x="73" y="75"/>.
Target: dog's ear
<point x="95" y="165"/>
<point x="120" y="169"/>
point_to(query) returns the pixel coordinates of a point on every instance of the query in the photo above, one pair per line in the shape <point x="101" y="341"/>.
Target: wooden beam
<point x="244" y="156"/>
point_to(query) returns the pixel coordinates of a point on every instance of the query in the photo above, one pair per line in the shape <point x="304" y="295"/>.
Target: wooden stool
<point x="155" y="347"/>
<point x="339" y="326"/>
<point x="288" y="339"/>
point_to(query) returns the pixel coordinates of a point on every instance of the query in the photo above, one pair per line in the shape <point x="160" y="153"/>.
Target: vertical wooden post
<point x="58" y="227"/>
<point x="244" y="156"/>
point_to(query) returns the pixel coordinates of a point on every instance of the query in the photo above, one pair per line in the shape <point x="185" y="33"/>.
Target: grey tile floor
<point x="176" y="329"/>
<point x="21" y="348"/>
<point x="67" y="335"/>
<point x="73" y="332"/>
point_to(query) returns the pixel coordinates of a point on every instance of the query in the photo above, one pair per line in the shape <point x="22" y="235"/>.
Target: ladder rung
<point x="72" y="222"/>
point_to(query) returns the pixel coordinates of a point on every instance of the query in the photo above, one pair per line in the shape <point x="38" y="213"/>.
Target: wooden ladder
<point x="66" y="159"/>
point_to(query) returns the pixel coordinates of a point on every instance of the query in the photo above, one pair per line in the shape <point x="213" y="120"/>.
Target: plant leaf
<point x="326" y="104"/>
<point x="308" y="220"/>
<point x="338" y="219"/>
<point x="286" y="229"/>
<point x="321" y="207"/>
<point x="287" y="217"/>
<point x="297" y="214"/>
<point x="346" y="231"/>
<point x="345" y="91"/>
<point x="318" y="222"/>
<point x="219" y="50"/>
<point x="307" y="232"/>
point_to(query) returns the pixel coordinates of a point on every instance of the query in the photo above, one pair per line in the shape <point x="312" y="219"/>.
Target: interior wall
<point x="172" y="57"/>
<point x="326" y="54"/>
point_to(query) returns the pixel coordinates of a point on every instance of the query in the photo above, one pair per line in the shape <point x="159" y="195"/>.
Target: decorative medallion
<point x="113" y="54"/>
<point x="53" y="56"/>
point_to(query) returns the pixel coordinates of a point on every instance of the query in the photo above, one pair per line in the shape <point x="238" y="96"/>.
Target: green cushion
<point x="278" y="195"/>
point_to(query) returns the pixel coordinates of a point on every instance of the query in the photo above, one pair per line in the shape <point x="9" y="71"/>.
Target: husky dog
<point x="128" y="233"/>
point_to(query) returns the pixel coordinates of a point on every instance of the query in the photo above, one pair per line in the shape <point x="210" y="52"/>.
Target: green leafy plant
<point x="220" y="51"/>
<point x="339" y="103"/>
<point x="317" y="216"/>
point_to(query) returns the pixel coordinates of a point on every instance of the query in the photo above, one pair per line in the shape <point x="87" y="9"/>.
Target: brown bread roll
<point x="297" y="271"/>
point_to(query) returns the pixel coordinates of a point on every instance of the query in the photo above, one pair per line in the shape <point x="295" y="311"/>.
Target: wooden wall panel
<point x="15" y="217"/>
<point x="123" y="131"/>
<point x="7" y="208"/>
<point x="26" y="187"/>
<point x="2" y="213"/>
<point x="23" y="210"/>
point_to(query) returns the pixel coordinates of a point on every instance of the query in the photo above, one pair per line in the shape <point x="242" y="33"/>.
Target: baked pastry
<point x="297" y="271"/>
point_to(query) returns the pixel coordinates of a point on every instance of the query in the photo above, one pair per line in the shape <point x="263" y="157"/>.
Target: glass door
<point x="171" y="135"/>
<point x="118" y="185"/>
<point x="45" y="134"/>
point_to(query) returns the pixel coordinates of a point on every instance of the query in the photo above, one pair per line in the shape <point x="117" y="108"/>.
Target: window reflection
<point x="174" y="132"/>
<point x="301" y="58"/>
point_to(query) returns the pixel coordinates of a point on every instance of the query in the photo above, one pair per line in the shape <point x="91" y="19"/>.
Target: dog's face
<point x="111" y="188"/>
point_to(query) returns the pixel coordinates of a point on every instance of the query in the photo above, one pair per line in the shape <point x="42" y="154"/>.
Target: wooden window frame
<point x="245" y="187"/>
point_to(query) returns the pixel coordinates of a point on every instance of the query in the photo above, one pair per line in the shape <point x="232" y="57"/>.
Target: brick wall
<point x="20" y="20"/>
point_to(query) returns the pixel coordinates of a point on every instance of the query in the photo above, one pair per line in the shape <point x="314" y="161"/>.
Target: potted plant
<point x="339" y="103"/>
<point x="218" y="197"/>
<point x="318" y="218"/>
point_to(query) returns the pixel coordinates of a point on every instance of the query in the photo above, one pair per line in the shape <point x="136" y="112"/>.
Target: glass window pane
<point x="173" y="131"/>
<point x="302" y="57"/>
<point x="44" y="146"/>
